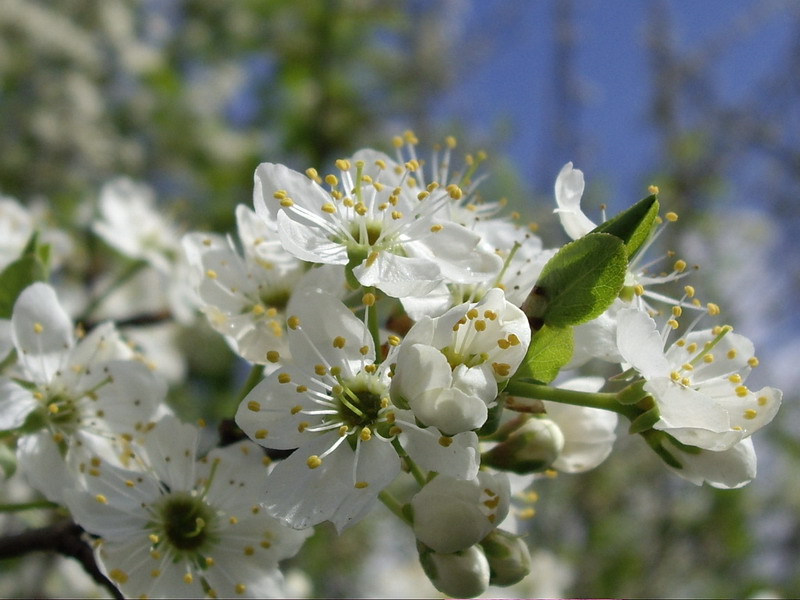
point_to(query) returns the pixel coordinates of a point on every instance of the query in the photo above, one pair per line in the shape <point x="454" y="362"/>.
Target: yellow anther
<point x="336" y="371"/>
<point x="312" y="174"/>
<point x="513" y="339"/>
<point x="118" y="575"/>
<point x="233" y="520"/>
<point x="677" y="311"/>
<point x="671" y="217"/>
<point x="360" y="485"/>
<point x="364" y="350"/>
<point x="38" y="328"/>
<point x="397" y="141"/>
<point x="741" y="391"/>
<point x="366" y="434"/>
<point x="188" y="578"/>
<point x="249" y="551"/>
<point x="284" y="378"/>
<point x="527" y="513"/>
<point x="692" y="348"/>
<point x="52" y="408"/>
<point x="393" y="340"/>
<point x="410" y="137"/>
<point x="750" y="413"/>
<point x="502" y="369"/>
<point x="503" y="343"/>
<point x="687" y="367"/>
<point x="680" y="266"/>
<point x="735" y="378"/>
<point x="153" y="538"/>
<point x="313" y="461"/>
<point x="293" y="322"/>
<point x="211" y="274"/>
<point x="436" y="228"/>
<point x="451" y="141"/>
<point x="445" y="441"/>
<point x="261" y="434"/>
<point x="320" y="369"/>
<point x="240" y="588"/>
<point x="296" y="409"/>
<point x="361" y="209"/>
<point x="254" y="406"/>
<point x="368" y="299"/>
<point x="731" y="353"/>
<point x="422" y="195"/>
<point x="343" y="430"/>
<point x="762" y="400"/>
<point x="689" y="291"/>
<point x="395" y="430"/>
<point x="638" y="289"/>
<point x="708" y="358"/>
<point x="58" y="437"/>
<point x="480" y="325"/>
<point x="472" y="313"/>
<point x="339" y="342"/>
<point x="302" y="426"/>
<point x="287" y="203"/>
<point x="686" y="381"/>
<point x="273" y="356"/>
<point x="713" y="309"/>
<point x="490" y="314"/>
<point x="328" y="208"/>
<point x="673" y="323"/>
<point x="343" y="164"/>
<point x="155" y="573"/>
<point x="455" y="192"/>
<point x="155" y="554"/>
<point x="279" y="195"/>
<point x="101" y="499"/>
<point x="380" y="163"/>
<point x="752" y="361"/>
<point x="675" y="376"/>
<point x="210" y="561"/>
<point x="301" y="389"/>
<point x="652" y="190"/>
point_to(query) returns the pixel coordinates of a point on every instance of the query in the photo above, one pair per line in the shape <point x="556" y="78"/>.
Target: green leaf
<point x="27" y="269"/>
<point x="550" y="349"/>
<point x="633" y="225"/>
<point x="582" y="280"/>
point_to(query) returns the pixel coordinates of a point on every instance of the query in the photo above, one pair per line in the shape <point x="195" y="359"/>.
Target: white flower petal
<point x="16" y="403"/>
<point x="569" y="189"/>
<point x="640" y="344"/>
<point x="42" y="331"/>
<point x="727" y="469"/>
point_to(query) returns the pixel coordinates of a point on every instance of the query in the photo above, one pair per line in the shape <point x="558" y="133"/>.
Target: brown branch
<point x="64" y="537"/>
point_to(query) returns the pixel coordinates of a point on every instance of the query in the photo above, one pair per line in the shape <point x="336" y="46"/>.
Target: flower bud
<point x="463" y="574"/>
<point x="453" y="514"/>
<point x="508" y="556"/>
<point x="530" y="449"/>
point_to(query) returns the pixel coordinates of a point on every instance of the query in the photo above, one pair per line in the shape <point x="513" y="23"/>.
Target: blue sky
<point x="513" y="78"/>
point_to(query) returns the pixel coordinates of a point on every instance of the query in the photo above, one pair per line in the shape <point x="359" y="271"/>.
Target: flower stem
<point x="602" y="400"/>
<point x="121" y="279"/>
<point x="374" y="326"/>
<point x="35" y="505"/>
<point x="256" y="373"/>
<point x="419" y="476"/>
<point x="394" y="505"/>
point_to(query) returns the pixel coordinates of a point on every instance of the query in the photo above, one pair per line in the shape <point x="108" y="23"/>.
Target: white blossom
<point x="180" y="527"/>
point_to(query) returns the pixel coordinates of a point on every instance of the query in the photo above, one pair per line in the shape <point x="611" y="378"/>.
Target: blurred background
<point x="699" y="98"/>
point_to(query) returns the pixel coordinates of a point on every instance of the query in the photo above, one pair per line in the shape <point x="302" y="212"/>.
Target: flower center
<point x="360" y="400"/>
<point x="185" y="520"/>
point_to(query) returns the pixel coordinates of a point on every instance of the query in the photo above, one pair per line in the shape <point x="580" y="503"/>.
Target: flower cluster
<point x="409" y="344"/>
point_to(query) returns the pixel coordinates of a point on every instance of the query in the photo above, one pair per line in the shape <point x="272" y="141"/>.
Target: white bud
<point x="463" y="574"/>
<point x="453" y="514"/>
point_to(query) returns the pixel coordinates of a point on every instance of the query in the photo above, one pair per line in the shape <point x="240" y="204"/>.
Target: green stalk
<point x="35" y="505"/>
<point x="601" y="400"/>
<point x="123" y="278"/>
<point x="394" y="505"/>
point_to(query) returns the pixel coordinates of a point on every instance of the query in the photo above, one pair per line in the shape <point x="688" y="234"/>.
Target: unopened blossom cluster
<point x="393" y="321"/>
